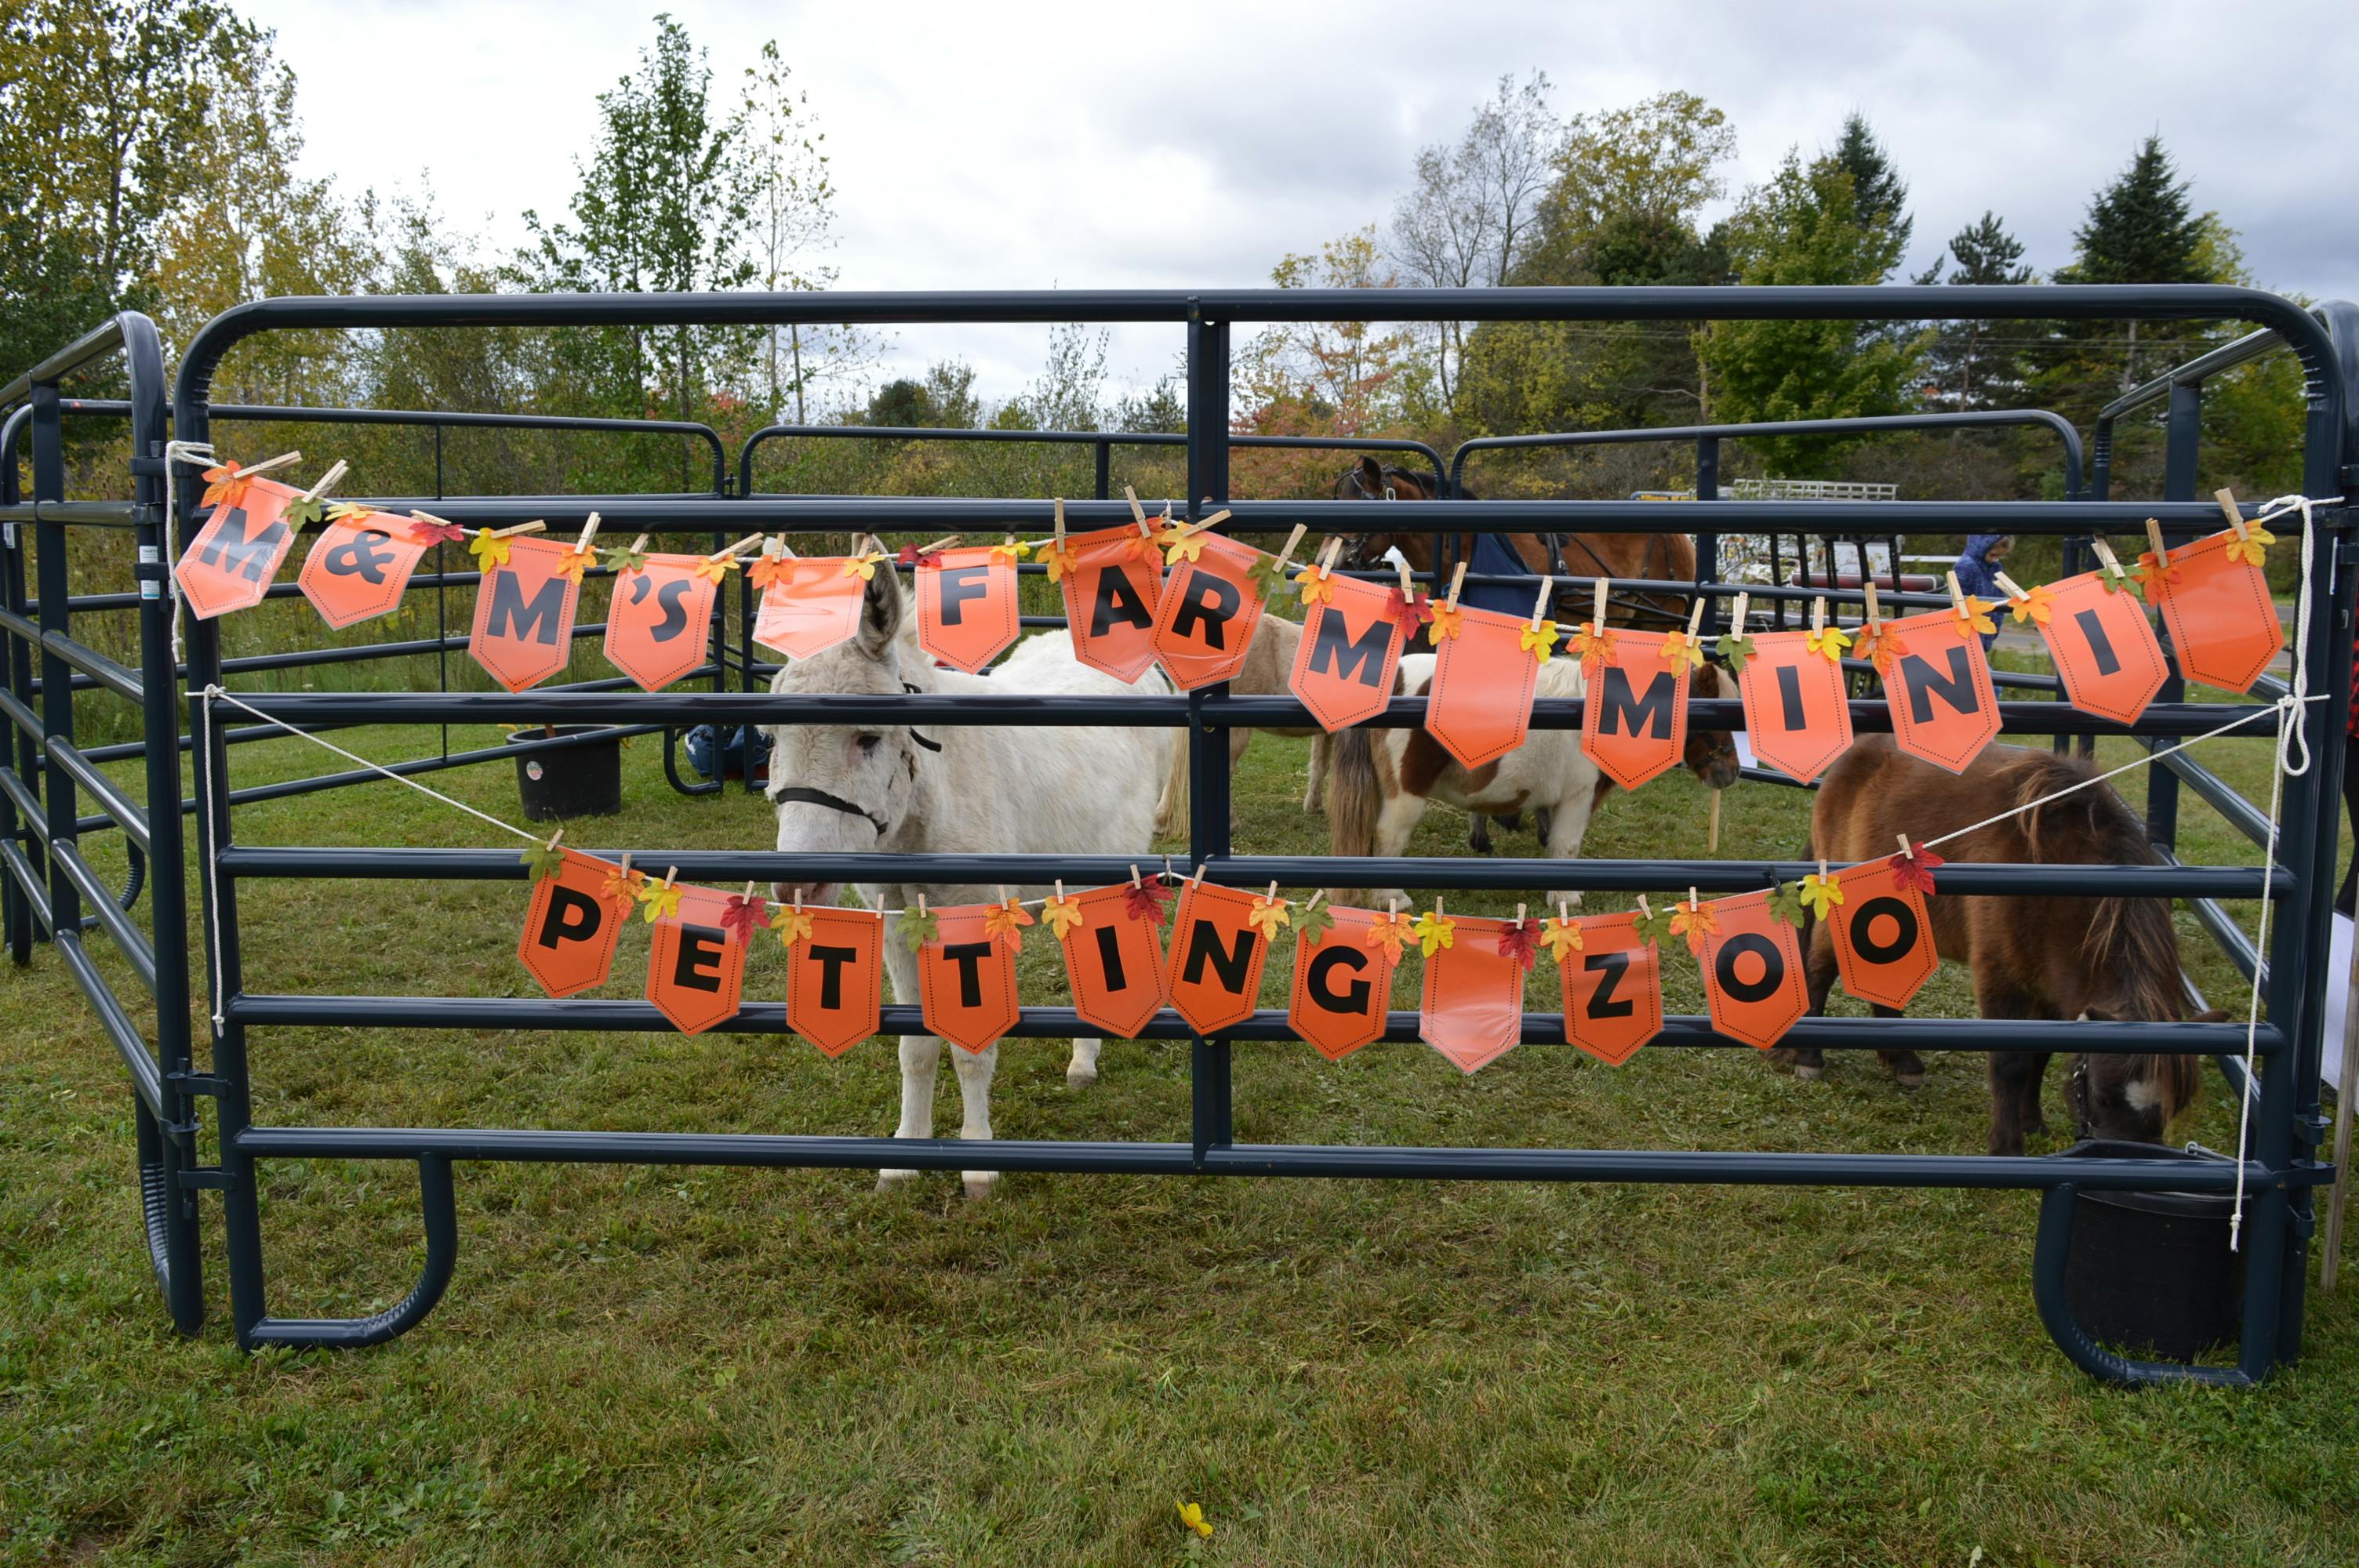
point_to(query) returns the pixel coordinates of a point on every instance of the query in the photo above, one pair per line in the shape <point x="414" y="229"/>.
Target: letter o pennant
<point x="835" y="979"/>
<point x="524" y="614"/>
<point x="1634" y="725"/>
<point x="1473" y="1005"/>
<point x="1211" y="607"/>
<point x="695" y="968"/>
<point x="1350" y="652"/>
<point x="1216" y="957"/>
<point x="966" y="978"/>
<point x="1753" y="971"/>
<point x="656" y="626"/>
<point x="1114" y="962"/>
<point x="1883" y="935"/>
<point x="1797" y="710"/>
<point x="1480" y="704"/>
<point x="1938" y="689"/>
<point x="1110" y="592"/>
<point x="2223" y="625"/>
<point x="1342" y="985"/>
<point x="966" y="607"/>
<point x="1613" y="989"/>
<point x="570" y="929"/>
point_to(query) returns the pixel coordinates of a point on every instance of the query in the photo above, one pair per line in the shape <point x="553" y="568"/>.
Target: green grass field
<point x="666" y="1366"/>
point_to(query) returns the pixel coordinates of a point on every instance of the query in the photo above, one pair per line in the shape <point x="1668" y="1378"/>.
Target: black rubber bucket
<point x="566" y="782"/>
<point x="2151" y="1272"/>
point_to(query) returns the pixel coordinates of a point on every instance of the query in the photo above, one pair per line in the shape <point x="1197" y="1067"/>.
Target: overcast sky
<point x="1099" y="145"/>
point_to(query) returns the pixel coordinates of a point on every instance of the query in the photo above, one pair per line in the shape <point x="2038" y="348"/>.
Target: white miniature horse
<point x="956" y="789"/>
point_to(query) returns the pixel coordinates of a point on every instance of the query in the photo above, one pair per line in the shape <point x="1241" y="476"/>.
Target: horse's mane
<point x="2131" y="939"/>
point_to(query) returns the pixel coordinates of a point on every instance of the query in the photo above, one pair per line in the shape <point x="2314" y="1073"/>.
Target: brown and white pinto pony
<point x="2035" y="957"/>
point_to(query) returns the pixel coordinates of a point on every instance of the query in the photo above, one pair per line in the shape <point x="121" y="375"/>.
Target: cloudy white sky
<point x="1099" y="145"/>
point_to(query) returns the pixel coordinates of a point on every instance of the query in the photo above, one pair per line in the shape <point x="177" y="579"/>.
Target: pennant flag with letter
<point x="2103" y="647"/>
<point x="2224" y="625"/>
<point x="966" y="606"/>
<point x="1938" y="686"/>
<point x="1216" y="956"/>
<point x="1350" y="652"/>
<point x="1479" y="704"/>
<point x="232" y="561"/>
<point x="569" y="927"/>
<point x="1342" y="983"/>
<point x="809" y="605"/>
<point x="835" y="976"/>
<point x="1113" y="580"/>
<point x="1612" y="985"/>
<point x="1211" y="607"/>
<point x="1472" y="1011"/>
<point x="1635" y="724"/>
<point x="1753" y="977"/>
<point x="524" y="612"/>
<point x="1883" y="934"/>
<point x="359" y="565"/>
<point x="1114" y="961"/>
<point x="966" y="978"/>
<point x="656" y="626"/>
<point x="696" y="965"/>
<point x="1796" y="708"/>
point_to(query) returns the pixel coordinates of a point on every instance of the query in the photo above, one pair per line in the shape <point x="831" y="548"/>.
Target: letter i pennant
<point x="1351" y="648"/>
<point x="1114" y="959"/>
<point x="966" y="978"/>
<point x="1797" y="711"/>
<point x="1216" y="957"/>
<point x="2103" y="647"/>
<point x="1342" y="983"/>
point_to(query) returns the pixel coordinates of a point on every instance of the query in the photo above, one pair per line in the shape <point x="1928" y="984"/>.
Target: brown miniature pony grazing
<point x="2034" y="956"/>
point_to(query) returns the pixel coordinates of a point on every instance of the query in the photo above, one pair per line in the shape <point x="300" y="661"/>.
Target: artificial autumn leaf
<point x="1409" y="613"/>
<point x="428" y="533"/>
<point x="1266" y="915"/>
<point x="2036" y="604"/>
<point x="1974" y="616"/>
<point x="1002" y="918"/>
<point x="1011" y="548"/>
<point x="1057" y="557"/>
<point x="226" y="486"/>
<point x="1521" y="941"/>
<point x="574" y="564"/>
<point x="713" y="571"/>
<point x="356" y="513"/>
<point x="657" y="900"/>
<point x="1449" y="619"/>
<point x="1736" y="650"/>
<point x="863" y="566"/>
<point x="2111" y="578"/>
<point x="1679" y="648"/>
<point x="1561" y="936"/>
<point x="1434" y="932"/>
<point x="792" y="925"/>
<point x="1390" y="932"/>
<point x="303" y="512"/>
<point x="1314" y="921"/>
<point x="1653" y="927"/>
<point x="769" y="570"/>
<point x="920" y="926"/>
<point x="1821" y="893"/>
<point x="1694" y="920"/>
<point x="1192" y="1515"/>
<point x="912" y="555"/>
<point x="621" y="888"/>
<point x="1828" y="642"/>
<point x="2253" y="548"/>
<point x="1785" y="902"/>
<point x="743" y="915"/>
<point x="1539" y="639"/>
<point x="543" y="860"/>
<point x="2151" y="575"/>
<point x="1879" y="645"/>
<point x="1914" y="870"/>
<point x="1311" y="584"/>
<point x="1594" y="645"/>
<point x="1188" y="547"/>
<point x="622" y="558"/>
<point x="1268" y="574"/>
<point x="1147" y="900"/>
<point x="1143" y="547"/>
<point x="489" y="549"/>
<point x="1063" y="914"/>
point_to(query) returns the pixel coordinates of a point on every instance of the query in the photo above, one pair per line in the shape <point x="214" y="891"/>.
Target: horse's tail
<point x="1172" y="810"/>
<point x="1353" y="794"/>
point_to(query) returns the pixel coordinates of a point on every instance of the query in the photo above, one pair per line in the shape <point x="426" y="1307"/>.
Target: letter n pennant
<point x="656" y="626"/>
<point x="807" y="605"/>
<point x="1474" y="1006"/>
<point x="359" y="567"/>
<point x="696" y="965"/>
<point x="1883" y="938"/>
<point x="2103" y="647"/>
<point x="1216" y="957"/>
<point x="1796" y="708"/>
<point x="1114" y="961"/>
<point x="1479" y="704"/>
<point x="966" y="607"/>
<point x="966" y="978"/>
<point x="1635" y="724"/>
<point x="1343" y="984"/>
<point x="1350" y="649"/>
<point x="570" y="928"/>
<point x="1752" y="969"/>
<point x="231" y="562"/>
<point x="2223" y="625"/>
<point x="1938" y="686"/>
<point x="1112" y="581"/>
<point x="524" y="614"/>
<point x="1204" y="623"/>
<point x="835" y="979"/>
<point x="1613" y="987"/>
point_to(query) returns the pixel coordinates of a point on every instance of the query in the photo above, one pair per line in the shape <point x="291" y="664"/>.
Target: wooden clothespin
<point x="1199" y="878"/>
<point x="1956" y="594"/>
<point x="1408" y="588"/>
<point x="1907" y="853"/>
<point x="1189" y="530"/>
<point x="1060" y="890"/>
<point x="1059" y="505"/>
<point x="1133" y="876"/>
<point x="1736" y="616"/>
<point x="1137" y="513"/>
<point x="1541" y="601"/>
<point x="1519" y="915"/>
<point x="1271" y="896"/>
<point x="1437" y="907"/>
<point x="1646" y="911"/>
<point x="1823" y="871"/>
<point x="535" y="526"/>
<point x="1693" y="902"/>
<point x="1312" y="901"/>
<point x="1597" y="605"/>
<point x="1819" y="613"/>
<point x="1292" y="539"/>
<point x="553" y="839"/>
<point x="734" y="551"/>
<point x="2227" y="499"/>
<point x="748" y="895"/>
<point x="1392" y="908"/>
<point x="625" y="867"/>
<point x="944" y="543"/>
<point x="1457" y="581"/>
<point x="671" y="874"/>
<point x="921" y="906"/>
<point x="639" y="545"/>
<point x="1875" y="610"/>
<point x="1695" y="618"/>
<point x="438" y="521"/>
<point x="2154" y="542"/>
<point x="2011" y="587"/>
<point x="1564" y="911"/>
<point x="800" y="890"/>
<point x="326" y="481"/>
<point x="264" y="466"/>
<point x="589" y="532"/>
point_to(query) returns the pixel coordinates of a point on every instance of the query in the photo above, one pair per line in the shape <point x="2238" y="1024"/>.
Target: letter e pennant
<point x="696" y="965"/>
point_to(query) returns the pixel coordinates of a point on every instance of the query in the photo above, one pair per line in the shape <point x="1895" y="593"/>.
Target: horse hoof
<point x="887" y="1180"/>
<point x="979" y="1184"/>
<point x="1915" y="1080"/>
<point x="1080" y="1075"/>
<point x="1809" y="1075"/>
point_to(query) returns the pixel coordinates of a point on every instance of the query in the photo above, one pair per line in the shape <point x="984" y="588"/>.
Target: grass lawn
<point x="707" y="1366"/>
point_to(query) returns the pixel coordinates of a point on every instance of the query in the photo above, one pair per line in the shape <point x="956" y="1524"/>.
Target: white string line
<point x="195" y="454"/>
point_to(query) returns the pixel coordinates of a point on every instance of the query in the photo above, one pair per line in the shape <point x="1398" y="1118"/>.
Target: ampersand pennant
<point x="1343" y="984"/>
<point x="1797" y="707"/>
<point x="524" y="613"/>
<point x="1211" y="607"/>
<point x="809" y="605"/>
<point x="1113" y="580"/>
<point x="2103" y="646"/>
<point x="966" y="606"/>
<point x="1752" y="980"/>
<point x="1939" y="691"/>
<point x="2224" y="625"/>
<point x="656" y="626"/>
<point x="1114" y="962"/>
<point x="1349" y="651"/>
<point x="835" y="979"/>
<point x="1480" y="704"/>
<point x="360" y="566"/>
<point x="966" y="978"/>
<point x="1613" y="986"/>
<point x="571" y="928"/>
<point x="1472" y="1011"/>
<point x="1216" y="957"/>
<point x="1635" y="723"/>
<point x="696" y="965"/>
<point x="232" y="561"/>
<point x="1882" y="936"/>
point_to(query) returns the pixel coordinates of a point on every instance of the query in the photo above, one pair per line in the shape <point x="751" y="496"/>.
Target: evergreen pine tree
<point x="2141" y="228"/>
<point x="1879" y="196"/>
<point x="1977" y="365"/>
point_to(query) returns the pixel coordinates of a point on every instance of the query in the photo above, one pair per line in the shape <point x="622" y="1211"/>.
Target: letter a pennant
<point x="807" y="605"/>
<point x="1796" y="708"/>
<point x="1343" y="984"/>
<point x="1613" y="987"/>
<point x="966" y="607"/>
<point x="2223" y="625"/>
<point x="1883" y="938"/>
<point x="655" y="628"/>
<point x="836" y="978"/>
<point x="1752" y="979"/>
<point x="1474" y="1006"/>
<point x="966" y="978"/>
<point x="1350" y="649"/>
<point x="359" y="565"/>
<point x="569" y="927"/>
<point x="1479" y="704"/>
<point x="1113" y="580"/>
<point x="1114" y="961"/>
<point x="524" y="613"/>
<point x="2103" y="647"/>
<point x="231" y="562"/>
<point x="1216" y="957"/>
<point x="1635" y="724"/>
<point x="1938" y="686"/>
<point x="696" y="965"/>
<point x="1204" y="623"/>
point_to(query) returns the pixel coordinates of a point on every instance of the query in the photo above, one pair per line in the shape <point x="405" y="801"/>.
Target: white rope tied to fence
<point x="195" y="454"/>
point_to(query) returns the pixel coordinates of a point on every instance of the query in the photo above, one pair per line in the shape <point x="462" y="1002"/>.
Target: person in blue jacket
<point x="1978" y="569"/>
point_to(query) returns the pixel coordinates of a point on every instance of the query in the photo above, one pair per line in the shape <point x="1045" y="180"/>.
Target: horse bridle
<point x="803" y="795"/>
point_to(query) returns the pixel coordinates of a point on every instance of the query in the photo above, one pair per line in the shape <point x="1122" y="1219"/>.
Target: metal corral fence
<point x="52" y="890"/>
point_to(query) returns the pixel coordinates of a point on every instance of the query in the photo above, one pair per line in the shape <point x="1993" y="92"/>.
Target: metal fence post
<point x="2183" y="428"/>
<point x="1212" y="1108"/>
<point x="1707" y="542"/>
<point x="20" y="929"/>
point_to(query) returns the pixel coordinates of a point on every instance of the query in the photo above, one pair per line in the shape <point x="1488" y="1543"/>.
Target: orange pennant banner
<point x="1216" y="957"/>
<point x="1473" y="1005"/>
<point x="1613" y="987"/>
<point x="1883" y="938"/>
<point x="807" y="605"/>
<point x="359" y="568"/>
<point x="835" y="979"/>
<point x="1349" y="651"/>
<point x="966" y="607"/>
<point x="1114" y="963"/>
<point x="1204" y="623"/>
<point x="1797" y="707"/>
<point x="1752" y="979"/>
<point x="696" y="965"/>
<point x="231" y="562"/>
<point x="1479" y="704"/>
<point x="524" y="614"/>
<point x="2103" y="647"/>
<point x="656" y="626"/>
<point x="571" y="928"/>
<point x="1112" y="586"/>
<point x="1635" y="724"/>
<point x="1938" y="687"/>
<point x="1343" y="984"/>
<point x="966" y="978"/>
<point x="2224" y="625"/>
